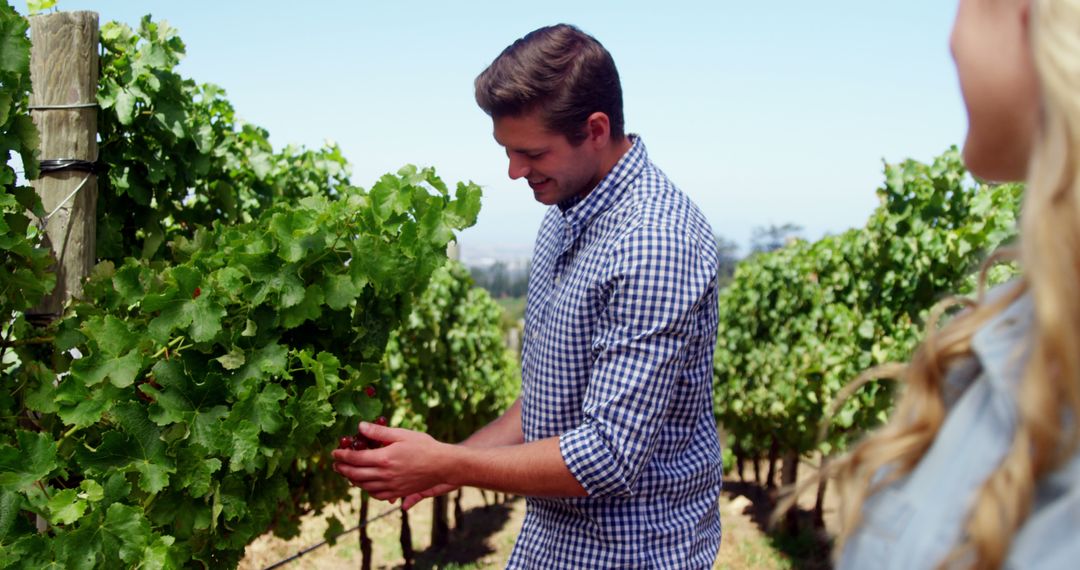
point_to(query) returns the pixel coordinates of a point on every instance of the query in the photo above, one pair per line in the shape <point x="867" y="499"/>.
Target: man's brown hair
<point x="560" y="71"/>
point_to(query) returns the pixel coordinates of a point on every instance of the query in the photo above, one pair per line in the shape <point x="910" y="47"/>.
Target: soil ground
<point x="486" y="534"/>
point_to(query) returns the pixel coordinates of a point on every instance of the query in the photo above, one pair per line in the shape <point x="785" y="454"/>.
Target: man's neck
<point x="615" y="152"/>
<point x="609" y="159"/>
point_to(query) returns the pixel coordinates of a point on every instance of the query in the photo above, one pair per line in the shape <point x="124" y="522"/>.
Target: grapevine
<point x="188" y="402"/>
<point x="798" y="324"/>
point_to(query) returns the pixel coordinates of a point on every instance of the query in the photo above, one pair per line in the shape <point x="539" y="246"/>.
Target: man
<point x="612" y="440"/>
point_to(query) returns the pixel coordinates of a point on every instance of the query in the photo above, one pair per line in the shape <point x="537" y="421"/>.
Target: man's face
<point x="555" y="170"/>
<point x="1000" y="85"/>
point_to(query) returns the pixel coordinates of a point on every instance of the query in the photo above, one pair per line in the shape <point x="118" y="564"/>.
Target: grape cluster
<point x="360" y="441"/>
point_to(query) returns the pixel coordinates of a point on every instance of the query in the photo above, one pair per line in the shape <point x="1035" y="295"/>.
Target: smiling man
<point x="612" y="440"/>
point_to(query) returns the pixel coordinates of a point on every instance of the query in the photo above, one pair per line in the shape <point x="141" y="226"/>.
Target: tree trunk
<point x="774" y="456"/>
<point x="789" y="476"/>
<point x="365" y="540"/>
<point x="819" y="502"/>
<point x="440" y="526"/>
<point x="740" y="462"/>
<point x="406" y="541"/>
<point x="459" y="514"/>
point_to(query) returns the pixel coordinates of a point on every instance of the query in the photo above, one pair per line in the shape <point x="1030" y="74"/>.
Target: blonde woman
<point x="979" y="465"/>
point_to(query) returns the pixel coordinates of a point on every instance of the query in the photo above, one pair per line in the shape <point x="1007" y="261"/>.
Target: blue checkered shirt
<point x="620" y="329"/>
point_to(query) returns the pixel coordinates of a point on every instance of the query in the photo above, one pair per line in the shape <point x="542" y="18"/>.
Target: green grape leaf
<point x="309" y="309"/>
<point x="465" y="208"/>
<point x="91" y="490"/>
<point x="37" y="6"/>
<point x="125" y="106"/>
<point x="206" y="318"/>
<point x="340" y="291"/>
<point x="138" y="446"/>
<point x="334" y="528"/>
<point x="31" y="461"/>
<point x="195" y="472"/>
<point x="10" y="504"/>
<point x="262" y="410"/>
<point x="233" y="359"/>
<point x="175" y="315"/>
<point x="120" y="371"/>
<point x="14" y="45"/>
<point x="199" y="406"/>
<point x="244" y="446"/>
<point x="128" y="283"/>
<point x="65" y="507"/>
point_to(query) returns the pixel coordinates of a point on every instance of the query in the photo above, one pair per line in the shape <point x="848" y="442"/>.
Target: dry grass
<point x="485" y="541"/>
<point x="490" y="531"/>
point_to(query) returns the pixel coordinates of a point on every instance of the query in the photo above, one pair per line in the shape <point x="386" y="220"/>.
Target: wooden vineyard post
<point x="63" y="104"/>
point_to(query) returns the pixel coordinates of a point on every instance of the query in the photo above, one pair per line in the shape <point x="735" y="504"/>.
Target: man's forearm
<point x="504" y="430"/>
<point x="534" y="469"/>
<point x="496" y="457"/>
<point x="414" y="465"/>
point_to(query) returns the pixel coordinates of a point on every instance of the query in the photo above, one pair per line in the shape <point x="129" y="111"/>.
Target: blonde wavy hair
<point x="1049" y="256"/>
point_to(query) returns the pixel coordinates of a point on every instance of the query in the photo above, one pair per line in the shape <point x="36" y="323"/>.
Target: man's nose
<point x="519" y="167"/>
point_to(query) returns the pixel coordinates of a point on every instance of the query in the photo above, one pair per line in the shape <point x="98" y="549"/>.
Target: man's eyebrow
<point x="526" y="150"/>
<point x="521" y="150"/>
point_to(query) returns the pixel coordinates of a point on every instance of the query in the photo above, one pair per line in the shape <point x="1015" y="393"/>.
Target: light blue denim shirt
<point x="916" y="521"/>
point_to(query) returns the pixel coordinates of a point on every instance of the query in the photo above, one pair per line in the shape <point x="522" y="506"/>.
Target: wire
<point x="45" y="220"/>
<point x="62" y="107"/>
<point x="281" y="563"/>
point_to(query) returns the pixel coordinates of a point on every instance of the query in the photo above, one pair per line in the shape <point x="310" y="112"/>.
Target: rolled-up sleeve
<point x="659" y="280"/>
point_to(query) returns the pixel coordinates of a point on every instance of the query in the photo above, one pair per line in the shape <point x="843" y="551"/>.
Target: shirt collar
<point x="578" y="213"/>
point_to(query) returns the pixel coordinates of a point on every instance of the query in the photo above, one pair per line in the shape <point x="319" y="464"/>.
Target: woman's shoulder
<point x="1048" y="537"/>
<point x="1001" y="343"/>
<point x="993" y="341"/>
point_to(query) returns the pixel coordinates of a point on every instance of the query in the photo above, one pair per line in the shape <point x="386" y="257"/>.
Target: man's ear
<point x="598" y="129"/>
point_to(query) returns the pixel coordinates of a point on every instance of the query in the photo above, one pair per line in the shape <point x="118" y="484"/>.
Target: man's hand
<point x="410" y="464"/>
<point x="432" y="492"/>
<point x="413" y="466"/>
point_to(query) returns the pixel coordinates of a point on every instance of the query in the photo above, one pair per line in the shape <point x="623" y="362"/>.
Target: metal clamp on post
<point x="61" y="164"/>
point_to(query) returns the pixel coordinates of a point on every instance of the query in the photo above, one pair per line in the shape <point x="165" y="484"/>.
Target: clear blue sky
<point x="763" y="112"/>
